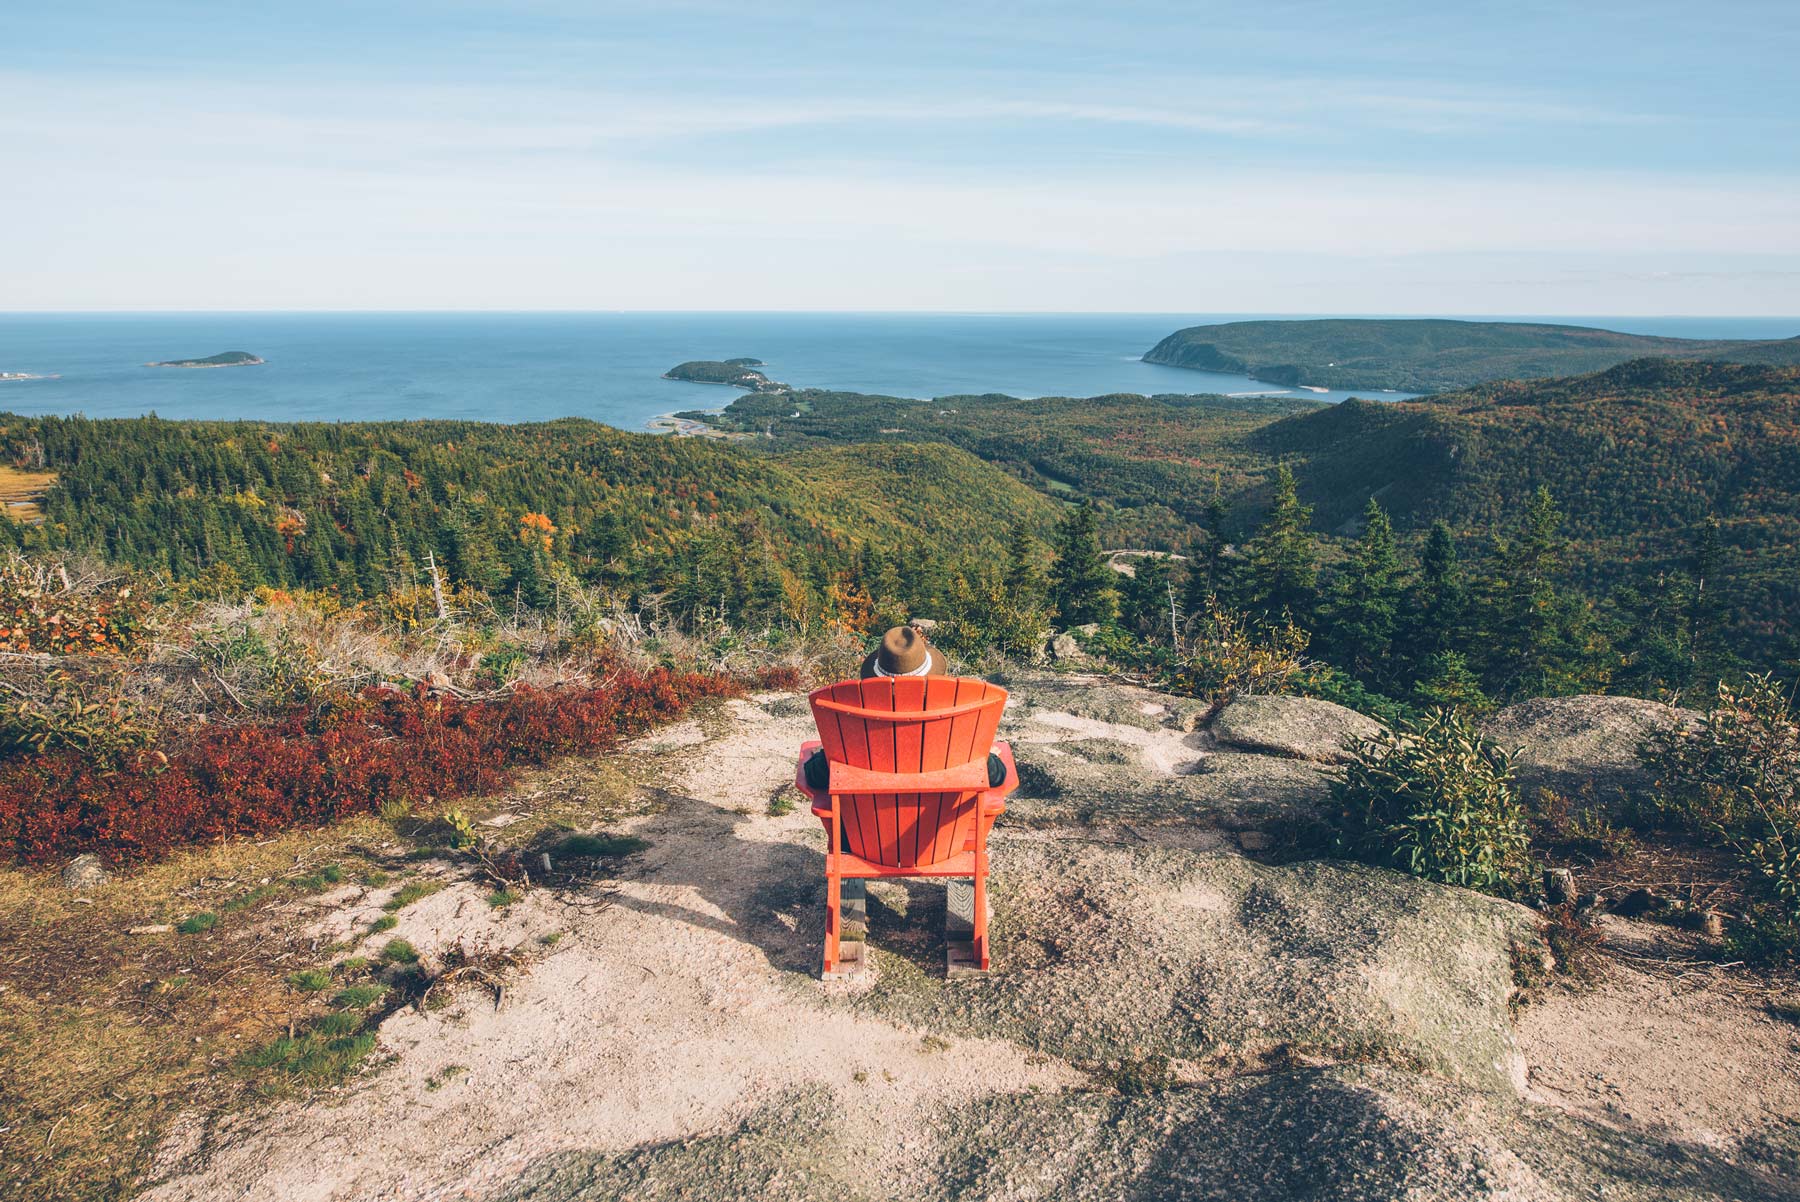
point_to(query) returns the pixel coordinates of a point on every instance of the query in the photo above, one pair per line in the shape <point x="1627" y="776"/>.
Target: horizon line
<point x="1275" y="315"/>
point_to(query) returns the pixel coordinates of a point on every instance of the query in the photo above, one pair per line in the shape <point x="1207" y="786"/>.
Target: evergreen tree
<point x="1209" y="569"/>
<point x="1436" y="605"/>
<point x="1081" y="581"/>
<point x="1025" y="566"/>
<point x="1366" y="600"/>
<point x="1145" y="597"/>
<point x="1447" y="681"/>
<point x="1541" y="637"/>
<point x="1282" y="565"/>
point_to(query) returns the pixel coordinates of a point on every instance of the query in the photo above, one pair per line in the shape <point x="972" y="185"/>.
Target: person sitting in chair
<point x="904" y="651"/>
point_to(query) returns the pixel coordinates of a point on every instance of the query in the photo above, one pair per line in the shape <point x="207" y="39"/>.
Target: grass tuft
<point x="411" y="892"/>
<point x="596" y="847"/>
<point x="310" y="980"/>
<point x="357" y="997"/>
<point x="244" y="901"/>
<point x="399" y="951"/>
<point x="317" y="882"/>
<point x="502" y="897"/>
<point x="193" y="924"/>
<point x="386" y="922"/>
<point x="325" y="1053"/>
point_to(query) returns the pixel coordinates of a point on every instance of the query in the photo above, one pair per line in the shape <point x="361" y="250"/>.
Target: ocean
<point x="517" y="367"/>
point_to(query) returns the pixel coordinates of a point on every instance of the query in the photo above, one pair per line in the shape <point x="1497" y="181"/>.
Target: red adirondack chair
<point x="909" y="792"/>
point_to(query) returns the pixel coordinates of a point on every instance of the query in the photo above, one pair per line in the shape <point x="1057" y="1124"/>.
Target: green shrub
<point x="1226" y="653"/>
<point x="1736" y="780"/>
<point x="88" y="717"/>
<point x="1433" y="798"/>
<point x="462" y="829"/>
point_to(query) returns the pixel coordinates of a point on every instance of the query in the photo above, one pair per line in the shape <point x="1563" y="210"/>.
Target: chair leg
<point x="833" y="919"/>
<point x="981" y="942"/>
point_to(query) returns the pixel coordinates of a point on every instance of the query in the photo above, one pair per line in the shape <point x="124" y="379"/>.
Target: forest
<point x="1640" y="459"/>
<point x="1431" y="355"/>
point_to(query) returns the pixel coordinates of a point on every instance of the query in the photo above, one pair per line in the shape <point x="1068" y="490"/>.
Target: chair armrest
<point x="817" y="797"/>
<point x="993" y="798"/>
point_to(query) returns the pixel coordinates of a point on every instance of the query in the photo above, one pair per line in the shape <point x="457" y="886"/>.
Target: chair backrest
<point x="908" y="725"/>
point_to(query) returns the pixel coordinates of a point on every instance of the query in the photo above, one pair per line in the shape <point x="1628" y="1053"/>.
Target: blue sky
<point x="1348" y="157"/>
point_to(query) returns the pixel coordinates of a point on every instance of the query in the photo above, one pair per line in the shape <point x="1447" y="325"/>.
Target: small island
<point x="739" y="373"/>
<point x="223" y="359"/>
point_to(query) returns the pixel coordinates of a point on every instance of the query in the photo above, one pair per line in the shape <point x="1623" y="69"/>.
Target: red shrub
<point x="307" y="769"/>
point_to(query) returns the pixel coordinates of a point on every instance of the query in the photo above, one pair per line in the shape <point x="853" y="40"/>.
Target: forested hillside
<point x="1153" y="461"/>
<point x="1414" y="355"/>
<point x="505" y="509"/>
<point x="1638" y="457"/>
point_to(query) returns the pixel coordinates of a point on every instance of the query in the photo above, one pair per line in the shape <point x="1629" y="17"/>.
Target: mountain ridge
<point x="1426" y="355"/>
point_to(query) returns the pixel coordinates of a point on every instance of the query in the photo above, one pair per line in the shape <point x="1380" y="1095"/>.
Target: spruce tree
<point x="1541" y="636"/>
<point x="1081" y="581"/>
<point x="1366" y="600"/>
<point x="1145" y="597"/>
<point x="1282" y="565"/>
<point x="1025" y="566"/>
<point x="1436" y="605"/>
<point x="1209" y="569"/>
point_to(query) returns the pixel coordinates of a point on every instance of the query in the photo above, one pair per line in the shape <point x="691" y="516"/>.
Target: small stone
<point x="544" y="861"/>
<point x="1064" y="647"/>
<point x="1559" y="886"/>
<point x="1640" y="902"/>
<point x="1711" y="925"/>
<point x="1253" y="841"/>
<point x="155" y="928"/>
<point x="437" y="680"/>
<point x="85" y="872"/>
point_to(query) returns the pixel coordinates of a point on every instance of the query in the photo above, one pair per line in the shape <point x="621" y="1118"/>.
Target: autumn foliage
<point x="40" y="612"/>
<point x="308" y="768"/>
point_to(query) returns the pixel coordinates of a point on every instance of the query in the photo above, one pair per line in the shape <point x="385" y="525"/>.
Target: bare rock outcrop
<point x="1302" y="728"/>
<point x="1583" y="744"/>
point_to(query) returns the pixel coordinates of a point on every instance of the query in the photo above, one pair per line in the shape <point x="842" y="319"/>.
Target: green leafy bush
<point x="1226" y="654"/>
<point x="1736" y="780"/>
<point x="81" y="716"/>
<point x="1433" y="798"/>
